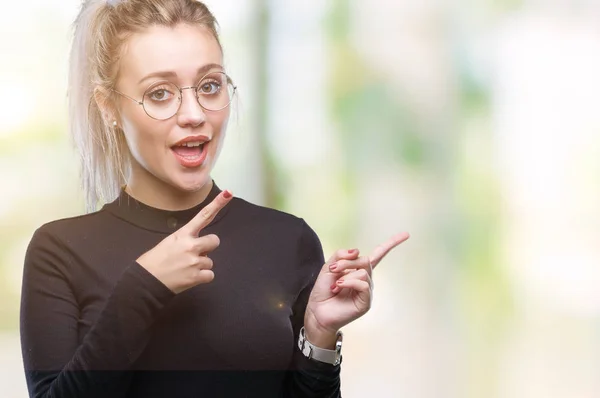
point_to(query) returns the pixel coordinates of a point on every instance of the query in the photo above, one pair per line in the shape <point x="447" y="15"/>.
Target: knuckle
<point x="206" y="263"/>
<point x="205" y="213"/>
<point x="362" y="274"/>
<point x="189" y="245"/>
<point x="173" y="238"/>
<point x="211" y="240"/>
<point x="208" y="242"/>
<point x="210" y="276"/>
<point x="204" y="276"/>
<point x="193" y="259"/>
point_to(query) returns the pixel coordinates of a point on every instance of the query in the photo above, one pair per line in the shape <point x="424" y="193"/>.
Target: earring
<point x="114" y="123"/>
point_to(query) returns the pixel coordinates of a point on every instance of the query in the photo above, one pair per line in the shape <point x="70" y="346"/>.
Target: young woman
<point x="174" y="288"/>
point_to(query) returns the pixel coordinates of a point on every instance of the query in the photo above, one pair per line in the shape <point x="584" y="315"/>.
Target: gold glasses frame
<point x="196" y="88"/>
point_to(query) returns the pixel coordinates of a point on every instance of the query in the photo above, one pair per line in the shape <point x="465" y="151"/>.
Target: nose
<point x="190" y="112"/>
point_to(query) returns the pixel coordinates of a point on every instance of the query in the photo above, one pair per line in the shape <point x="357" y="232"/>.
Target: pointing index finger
<point x="208" y="213"/>
<point x="383" y="249"/>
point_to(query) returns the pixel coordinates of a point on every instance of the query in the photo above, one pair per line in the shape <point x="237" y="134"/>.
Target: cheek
<point x="219" y="125"/>
<point x="143" y="138"/>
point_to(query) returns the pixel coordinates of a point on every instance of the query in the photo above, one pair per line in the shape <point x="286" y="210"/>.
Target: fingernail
<point x="340" y="281"/>
<point x="227" y="194"/>
<point x="333" y="286"/>
<point x="352" y="251"/>
<point x="333" y="267"/>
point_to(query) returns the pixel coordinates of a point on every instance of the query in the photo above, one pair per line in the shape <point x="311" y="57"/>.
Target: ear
<point x="102" y="98"/>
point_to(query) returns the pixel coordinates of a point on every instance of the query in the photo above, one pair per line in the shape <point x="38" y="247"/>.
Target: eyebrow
<point x="168" y="73"/>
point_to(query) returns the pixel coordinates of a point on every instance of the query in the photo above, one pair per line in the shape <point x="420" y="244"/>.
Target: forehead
<point x="182" y="49"/>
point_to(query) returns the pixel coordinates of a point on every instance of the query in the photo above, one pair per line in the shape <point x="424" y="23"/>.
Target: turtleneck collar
<point x="159" y="220"/>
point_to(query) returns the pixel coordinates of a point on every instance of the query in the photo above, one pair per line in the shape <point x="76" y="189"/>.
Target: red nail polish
<point x="352" y="251"/>
<point x="340" y="281"/>
<point x="227" y="194"/>
<point x="332" y="267"/>
<point x="333" y="286"/>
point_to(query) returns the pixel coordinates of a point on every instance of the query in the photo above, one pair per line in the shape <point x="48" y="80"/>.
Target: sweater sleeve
<point x="56" y="365"/>
<point x="309" y="378"/>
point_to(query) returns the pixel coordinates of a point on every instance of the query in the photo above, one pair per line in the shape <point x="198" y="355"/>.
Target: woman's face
<point x="180" y="55"/>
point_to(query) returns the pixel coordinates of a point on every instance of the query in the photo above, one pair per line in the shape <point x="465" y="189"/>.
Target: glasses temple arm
<point x="126" y="96"/>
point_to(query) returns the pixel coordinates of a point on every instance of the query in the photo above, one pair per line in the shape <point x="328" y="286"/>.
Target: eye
<point x="209" y="87"/>
<point x="161" y="93"/>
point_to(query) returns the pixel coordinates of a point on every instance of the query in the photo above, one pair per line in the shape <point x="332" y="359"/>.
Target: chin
<point x="193" y="183"/>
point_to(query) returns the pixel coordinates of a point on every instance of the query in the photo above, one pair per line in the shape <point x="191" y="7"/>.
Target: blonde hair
<point x="100" y="30"/>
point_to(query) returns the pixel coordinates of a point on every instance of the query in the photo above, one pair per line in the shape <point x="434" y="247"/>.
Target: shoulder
<point x="252" y="213"/>
<point x="278" y="224"/>
<point x="63" y="232"/>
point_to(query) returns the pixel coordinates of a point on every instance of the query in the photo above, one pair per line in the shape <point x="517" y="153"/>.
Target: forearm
<point x="100" y="365"/>
<point x="308" y="378"/>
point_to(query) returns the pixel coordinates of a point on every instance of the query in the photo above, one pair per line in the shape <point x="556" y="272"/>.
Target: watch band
<point x="333" y="357"/>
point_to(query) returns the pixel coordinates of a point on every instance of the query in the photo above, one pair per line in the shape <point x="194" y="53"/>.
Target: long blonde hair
<point x="100" y="30"/>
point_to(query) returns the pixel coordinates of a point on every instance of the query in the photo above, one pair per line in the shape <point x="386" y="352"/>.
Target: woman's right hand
<point x="180" y="260"/>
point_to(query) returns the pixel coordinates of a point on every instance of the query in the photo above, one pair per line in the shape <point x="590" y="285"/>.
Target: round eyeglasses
<point x="162" y="100"/>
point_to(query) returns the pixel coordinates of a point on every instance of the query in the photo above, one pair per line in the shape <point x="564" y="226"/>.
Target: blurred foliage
<point x="370" y="118"/>
<point x="50" y="133"/>
<point x="374" y="128"/>
<point x="483" y="286"/>
<point x="372" y="121"/>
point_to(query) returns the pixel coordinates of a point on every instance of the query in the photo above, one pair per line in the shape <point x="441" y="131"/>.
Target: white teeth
<point x="191" y="144"/>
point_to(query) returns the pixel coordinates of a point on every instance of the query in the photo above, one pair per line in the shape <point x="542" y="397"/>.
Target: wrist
<point x="320" y="354"/>
<point x="320" y="338"/>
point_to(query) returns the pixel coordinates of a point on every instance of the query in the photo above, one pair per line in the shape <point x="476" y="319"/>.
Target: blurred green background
<point x="471" y="124"/>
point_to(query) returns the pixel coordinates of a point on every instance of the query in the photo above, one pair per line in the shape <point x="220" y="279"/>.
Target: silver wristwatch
<point x="310" y="351"/>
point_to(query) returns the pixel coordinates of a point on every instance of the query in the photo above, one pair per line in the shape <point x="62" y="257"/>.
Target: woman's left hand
<point x="343" y="291"/>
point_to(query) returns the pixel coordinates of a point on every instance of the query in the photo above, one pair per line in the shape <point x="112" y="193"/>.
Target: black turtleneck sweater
<point x="94" y="323"/>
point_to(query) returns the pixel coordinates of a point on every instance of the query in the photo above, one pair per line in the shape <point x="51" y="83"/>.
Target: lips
<point x="192" y="139"/>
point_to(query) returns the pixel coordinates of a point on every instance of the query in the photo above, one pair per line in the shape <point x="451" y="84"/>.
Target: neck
<point x="158" y="194"/>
